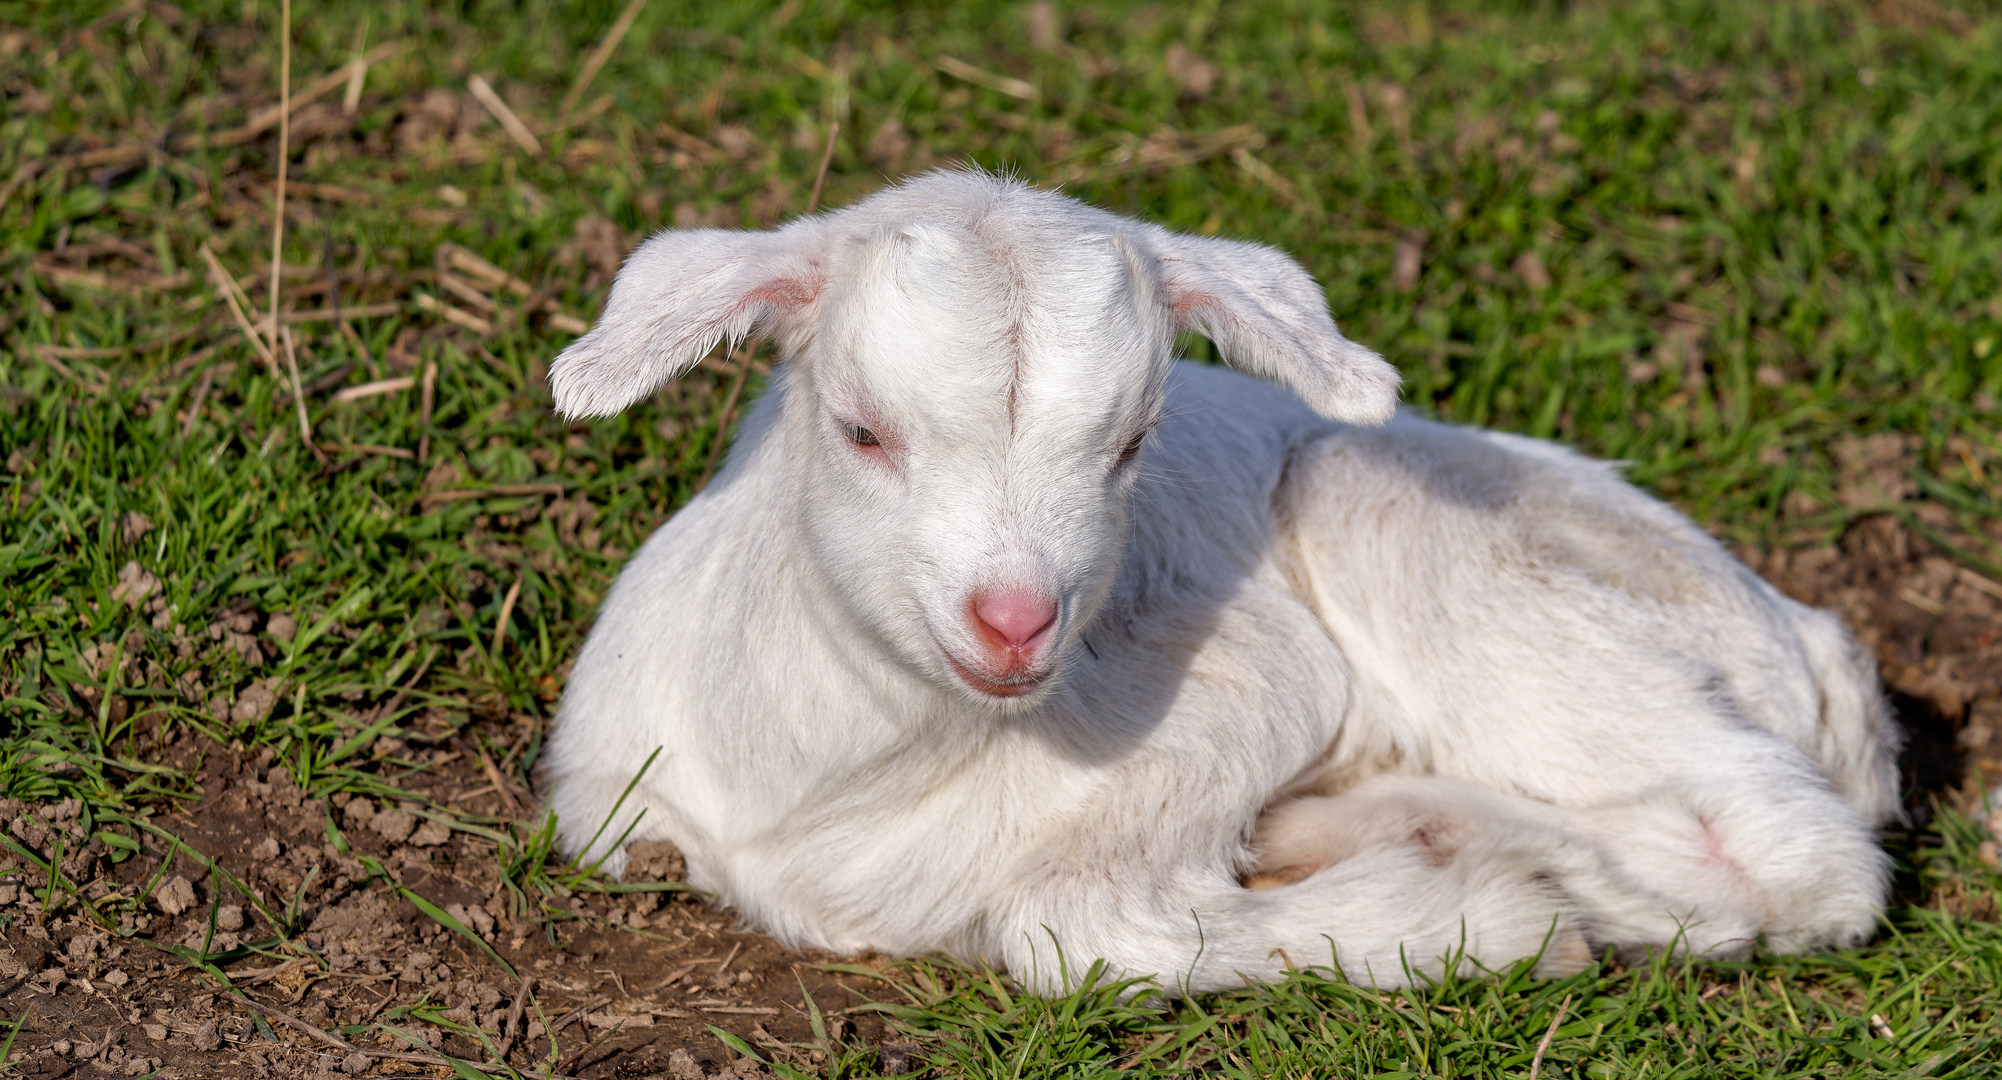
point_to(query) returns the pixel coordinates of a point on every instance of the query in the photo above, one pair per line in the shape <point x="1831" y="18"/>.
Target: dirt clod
<point x="135" y="584"/>
<point x="681" y="1066"/>
<point x="394" y="826"/>
<point x="206" y="1037"/>
<point x="175" y="896"/>
<point x="896" y="1058"/>
<point x="653" y="860"/>
<point x="254" y="703"/>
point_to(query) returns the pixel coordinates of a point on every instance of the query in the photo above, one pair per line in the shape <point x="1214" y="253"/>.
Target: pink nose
<point x="1013" y="618"/>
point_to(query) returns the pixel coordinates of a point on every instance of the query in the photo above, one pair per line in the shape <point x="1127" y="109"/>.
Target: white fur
<point x="1440" y="686"/>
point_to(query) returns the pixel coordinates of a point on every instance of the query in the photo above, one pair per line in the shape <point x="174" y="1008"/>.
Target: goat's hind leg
<point x="1715" y="754"/>
<point x="1705" y="867"/>
<point x="1508" y="869"/>
<point x="1759" y="850"/>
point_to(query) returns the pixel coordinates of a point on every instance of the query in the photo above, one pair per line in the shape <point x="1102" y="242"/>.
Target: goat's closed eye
<point x="860" y="435"/>
<point x="1132" y="448"/>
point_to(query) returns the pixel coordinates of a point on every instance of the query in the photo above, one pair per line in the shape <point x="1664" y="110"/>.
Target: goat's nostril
<point x="1016" y="617"/>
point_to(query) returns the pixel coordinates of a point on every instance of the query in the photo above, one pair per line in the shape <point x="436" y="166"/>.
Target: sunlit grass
<point x="1713" y="240"/>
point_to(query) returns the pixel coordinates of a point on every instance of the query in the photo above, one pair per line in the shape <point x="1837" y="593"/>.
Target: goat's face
<point x="978" y="409"/>
<point x="977" y="366"/>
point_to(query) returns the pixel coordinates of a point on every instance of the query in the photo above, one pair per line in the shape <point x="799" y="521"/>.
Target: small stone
<point x="229" y="917"/>
<point x="115" y="977"/>
<point x="155" y="1032"/>
<point x="355" y="1064"/>
<point x="283" y="627"/>
<point x="176" y="896"/>
<point x="431" y="834"/>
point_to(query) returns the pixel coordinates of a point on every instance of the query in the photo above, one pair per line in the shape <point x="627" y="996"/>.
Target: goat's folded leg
<point x="1421" y="885"/>
<point x="1703" y="865"/>
<point x="1756" y="848"/>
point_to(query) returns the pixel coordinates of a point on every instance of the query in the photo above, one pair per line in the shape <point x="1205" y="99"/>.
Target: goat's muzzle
<point x="1013" y="628"/>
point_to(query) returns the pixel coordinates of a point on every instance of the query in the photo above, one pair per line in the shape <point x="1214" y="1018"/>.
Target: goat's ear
<point x="1267" y="315"/>
<point x="678" y="295"/>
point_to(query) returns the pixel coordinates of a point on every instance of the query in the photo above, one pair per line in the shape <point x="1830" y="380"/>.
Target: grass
<point x="1719" y="241"/>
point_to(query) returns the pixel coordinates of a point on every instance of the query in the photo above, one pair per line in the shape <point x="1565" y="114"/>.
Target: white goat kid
<point x="1004" y="632"/>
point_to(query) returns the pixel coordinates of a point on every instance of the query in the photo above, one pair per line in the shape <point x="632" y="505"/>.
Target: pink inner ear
<point x="1187" y="304"/>
<point x="1182" y="297"/>
<point x="1202" y="312"/>
<point x="787" y="293"/>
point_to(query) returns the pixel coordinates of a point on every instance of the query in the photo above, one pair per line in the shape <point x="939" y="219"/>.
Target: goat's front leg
<point x="1414" y="893"/>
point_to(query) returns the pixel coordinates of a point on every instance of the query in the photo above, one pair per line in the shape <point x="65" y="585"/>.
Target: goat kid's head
<point x="973" y="369"/>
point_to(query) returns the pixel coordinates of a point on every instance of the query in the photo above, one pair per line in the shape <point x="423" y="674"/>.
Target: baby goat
<point x="1005" y="632"/>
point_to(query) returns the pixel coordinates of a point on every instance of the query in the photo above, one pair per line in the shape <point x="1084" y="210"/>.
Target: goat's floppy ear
<point x="677" y="295"/>
<point x="1266" y="315"/>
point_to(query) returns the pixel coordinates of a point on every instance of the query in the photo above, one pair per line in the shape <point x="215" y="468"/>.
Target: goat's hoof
<point x="1262" y="879"/>
<point x="1567" y="954"/>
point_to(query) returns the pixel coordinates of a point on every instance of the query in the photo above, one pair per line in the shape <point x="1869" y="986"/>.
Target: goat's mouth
<point x="1021" y="676"/>
<point x="1013" y="685"/>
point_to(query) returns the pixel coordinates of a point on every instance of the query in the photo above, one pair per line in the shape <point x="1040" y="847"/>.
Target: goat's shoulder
<point x="686" y="592"/>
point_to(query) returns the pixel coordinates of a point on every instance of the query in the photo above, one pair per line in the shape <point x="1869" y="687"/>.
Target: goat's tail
<point x="1857" y="740"/>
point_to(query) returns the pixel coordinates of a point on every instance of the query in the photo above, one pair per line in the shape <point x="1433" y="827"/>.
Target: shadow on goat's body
<point x="1001" y="626"/>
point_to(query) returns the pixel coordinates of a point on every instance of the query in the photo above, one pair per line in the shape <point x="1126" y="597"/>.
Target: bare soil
<point x="619" y="986"/>
<point x="1935" y="627"/>
<point x="629" y="986"/>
